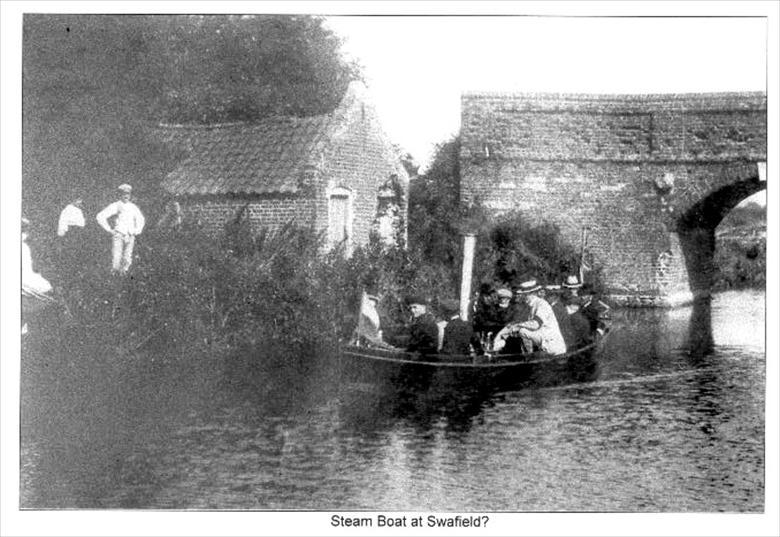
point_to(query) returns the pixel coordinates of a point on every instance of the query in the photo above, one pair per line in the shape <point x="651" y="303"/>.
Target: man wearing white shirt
<point x="71" y="216"/>
<point x="540" y="329"/>
<point x="128" y="223"/>
<point x="70" y="245"/>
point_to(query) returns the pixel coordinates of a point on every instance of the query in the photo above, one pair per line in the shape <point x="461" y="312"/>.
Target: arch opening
<point x="697" y="232"/>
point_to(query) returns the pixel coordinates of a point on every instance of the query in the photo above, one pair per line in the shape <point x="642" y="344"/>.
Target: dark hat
<point x="416" y="299"/>
<point x="571" y="282"/>
<point x="528" y="287"/>
<point x="449" y="306"/>
<point x="486" y="288"/>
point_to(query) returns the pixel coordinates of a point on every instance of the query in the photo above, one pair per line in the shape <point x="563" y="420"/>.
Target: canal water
<point x="672" y="420"/>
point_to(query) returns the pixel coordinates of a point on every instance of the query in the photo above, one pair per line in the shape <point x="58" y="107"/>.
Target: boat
<point x="401" y="369"/>
<point x="368" y="359"/>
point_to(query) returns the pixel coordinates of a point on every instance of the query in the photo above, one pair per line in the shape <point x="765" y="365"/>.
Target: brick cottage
<point x="335" y="172"/>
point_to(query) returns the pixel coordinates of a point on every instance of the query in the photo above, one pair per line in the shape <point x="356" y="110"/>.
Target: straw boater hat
<point x="504" y="293"/>
<point x="528" y="287"/>
<point x="572" y="282"/>
<point x="125" y="188"/>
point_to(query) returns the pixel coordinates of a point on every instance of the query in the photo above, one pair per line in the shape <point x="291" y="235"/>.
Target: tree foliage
<point x="95" y="84"/>
<point x="228" y="68"/>
<point x="434" y="206"/>
<point x="509" y="247"/>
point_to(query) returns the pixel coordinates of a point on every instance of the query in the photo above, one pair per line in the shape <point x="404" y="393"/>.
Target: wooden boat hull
<point x="409" y="370"/>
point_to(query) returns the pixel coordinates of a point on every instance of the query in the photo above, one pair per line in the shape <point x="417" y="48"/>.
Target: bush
<point x="739" y="265"/>
<point x="509" y="248"/>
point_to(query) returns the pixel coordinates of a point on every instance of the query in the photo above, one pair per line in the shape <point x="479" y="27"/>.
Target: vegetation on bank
<point x="279" y="295"/>
<point x="101" y="81"/>
<point x="740" y="253"/>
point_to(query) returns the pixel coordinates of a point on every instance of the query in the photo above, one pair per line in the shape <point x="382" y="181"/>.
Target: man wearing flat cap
<point x="540" y="330"/>
<point x="423" y="330"/>
<point x="128" y="222"/>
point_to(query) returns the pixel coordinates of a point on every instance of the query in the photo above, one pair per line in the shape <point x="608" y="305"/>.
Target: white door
<point x="340" y="218"/>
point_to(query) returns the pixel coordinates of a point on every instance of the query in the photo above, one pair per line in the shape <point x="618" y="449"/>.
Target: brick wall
<point x="271" y="212"/>
<point x="630" y="169"/>
<point x="354" y="154"/>
<point x="359" y="157"/>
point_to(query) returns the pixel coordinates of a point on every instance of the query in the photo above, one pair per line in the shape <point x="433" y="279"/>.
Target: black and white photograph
<point x="497" y="268"/>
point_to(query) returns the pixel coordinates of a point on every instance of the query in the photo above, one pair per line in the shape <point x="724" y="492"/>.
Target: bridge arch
<point x="697" y="220"/>
<point x="650" y="176"/>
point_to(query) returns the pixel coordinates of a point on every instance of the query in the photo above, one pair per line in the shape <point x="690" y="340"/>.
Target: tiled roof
<point x="259" y="158"/>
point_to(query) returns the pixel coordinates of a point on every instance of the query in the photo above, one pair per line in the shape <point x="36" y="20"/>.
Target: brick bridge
<point x="649" y="176"/>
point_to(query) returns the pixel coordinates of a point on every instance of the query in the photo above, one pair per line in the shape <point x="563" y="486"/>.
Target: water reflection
<point x="668" y="418"/>
<point x="700" y="341"/>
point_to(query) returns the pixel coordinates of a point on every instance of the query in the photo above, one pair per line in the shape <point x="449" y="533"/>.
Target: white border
<point x="14" y="522"/>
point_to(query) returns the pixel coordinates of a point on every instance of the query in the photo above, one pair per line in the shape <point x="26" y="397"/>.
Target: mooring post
<point x="469" y="240"/>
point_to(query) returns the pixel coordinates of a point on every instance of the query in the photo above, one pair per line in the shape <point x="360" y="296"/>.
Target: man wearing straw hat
<point x="540" y="329"/>
<point x="129" y="222"/>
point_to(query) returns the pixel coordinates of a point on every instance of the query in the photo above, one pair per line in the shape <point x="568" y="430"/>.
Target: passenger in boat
<point x="540" y="330"/>
<point x="368" y="332"/>
<point x="574" y="327"/>
<point x="595" y="310"/>
<point x="459" y="337"/>
<point x="484" y="306"/>
<point x="423" y="331"/>
<point x="504" y="312"/>
<point x="577" y="333"/>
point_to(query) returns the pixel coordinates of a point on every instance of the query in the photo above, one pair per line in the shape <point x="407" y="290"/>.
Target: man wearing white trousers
<point x="128" y="223"/>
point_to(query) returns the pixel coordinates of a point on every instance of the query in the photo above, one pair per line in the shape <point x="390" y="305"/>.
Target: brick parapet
<point x="690" y="128"/>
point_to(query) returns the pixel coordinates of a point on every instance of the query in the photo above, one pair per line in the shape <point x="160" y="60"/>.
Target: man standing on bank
<point x="71" y="218"/>
<point x="540" y="330"/>
<point x="128" y="223"/>
<point x="70" y="243"/>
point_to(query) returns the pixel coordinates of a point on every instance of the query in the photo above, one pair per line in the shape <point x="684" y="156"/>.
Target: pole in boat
<point x="469" y="240"/>
<point x="583" y="243"/>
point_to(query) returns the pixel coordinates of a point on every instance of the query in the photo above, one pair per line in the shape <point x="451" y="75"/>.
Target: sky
<point x="416" y="68"/>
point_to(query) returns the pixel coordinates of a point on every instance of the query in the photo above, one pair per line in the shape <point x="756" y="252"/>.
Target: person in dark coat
<point x="580" y="333"/>
<point x="459" y="336"/>
<point x="423" y="331"/>
<point x="505" y="312"/>
<point x="575" y="328"/>
<point x="484" y="307"/>
<point x="596" y="311"/>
